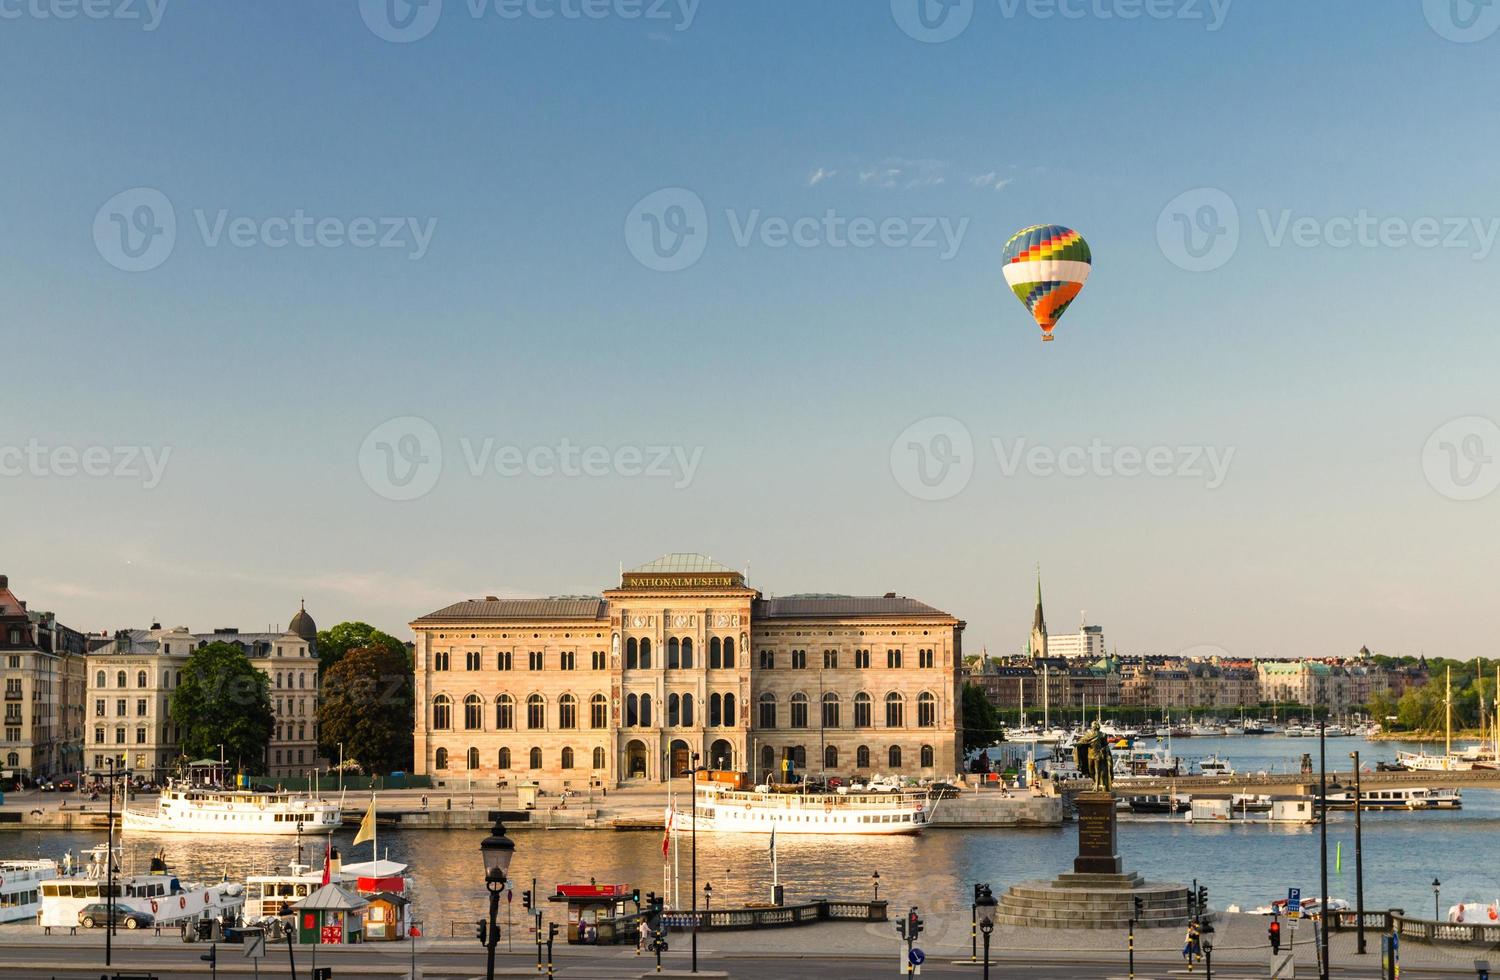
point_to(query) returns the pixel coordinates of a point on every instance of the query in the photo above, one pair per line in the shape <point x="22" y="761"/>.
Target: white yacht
<point x="21" y="888"/>
<point x="158" y="894"/>
<point x="1403" y="798"/>
<point x="1215" y="766"/>
<point x="187" y="809"/>
<point x="267" y="894"/>
<point x="762" y="810"/>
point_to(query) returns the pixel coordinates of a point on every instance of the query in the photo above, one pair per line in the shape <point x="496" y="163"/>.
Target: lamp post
<point x="1359" y="863"/>
<point x="110" y="774"/>
<point x="708" y="894"/>
<point x="1208" y="952"/>
<point x="1437" y="887"/>
<point x="1323" y="846"/>
<point x="497" y="851"/>
<point x="986" y="904"/>
<point x="692" y="775"/>
<point x="876" y="879"/>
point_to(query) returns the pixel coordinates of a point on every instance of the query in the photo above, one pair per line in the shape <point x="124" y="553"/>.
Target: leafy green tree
<point x="366" y="704"/>
<point x="223" y="700"/>
<point x="981" y="720"/>
<point x="335" y="643"/>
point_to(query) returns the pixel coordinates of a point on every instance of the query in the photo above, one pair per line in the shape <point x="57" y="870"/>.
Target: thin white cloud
<point x="902" y="173"/>
<point x="990" y="181"/>
<point x="819" y="175"/>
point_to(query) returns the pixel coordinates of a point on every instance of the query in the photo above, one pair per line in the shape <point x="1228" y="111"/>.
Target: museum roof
<point x="805" y="607"/>
<point x="554" y="607"/>
<point x="683" y="562"/>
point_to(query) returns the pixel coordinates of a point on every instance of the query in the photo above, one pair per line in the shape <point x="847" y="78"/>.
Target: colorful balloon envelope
<point x="1046" y="267"/>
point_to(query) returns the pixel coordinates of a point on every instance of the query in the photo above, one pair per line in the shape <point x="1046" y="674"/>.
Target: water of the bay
<point x="1246" y="865"/>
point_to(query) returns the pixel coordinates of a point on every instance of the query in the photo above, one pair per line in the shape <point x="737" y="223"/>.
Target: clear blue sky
<point x="527" y="320"/>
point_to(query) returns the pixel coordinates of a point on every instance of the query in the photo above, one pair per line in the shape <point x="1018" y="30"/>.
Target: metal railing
<point x="1483" y="933"/>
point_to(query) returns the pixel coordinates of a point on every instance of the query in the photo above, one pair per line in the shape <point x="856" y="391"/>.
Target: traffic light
<point x="635" y="896"/>
<point x="1202" y="899"/>
<point x="1139" y="908"/>
<point x="1273" y="933"/>
<point x="211" y="957"/>
<point x="978" y="891"/>
<point x="913" y="924"/>
<point x="322" y="973"/>
<point x="551" y="931"/>
<point x="482" y="932"/>
<point x="526" y="900"/>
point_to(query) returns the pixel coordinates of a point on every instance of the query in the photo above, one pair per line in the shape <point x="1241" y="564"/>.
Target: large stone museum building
<point x="685" y="658"/>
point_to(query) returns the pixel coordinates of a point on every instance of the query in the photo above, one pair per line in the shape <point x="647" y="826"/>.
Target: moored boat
<point x="157" y="896"/>
<point x="21" y="888"/>
<point x="182" y="808"/>
<point x="762" y="810"/>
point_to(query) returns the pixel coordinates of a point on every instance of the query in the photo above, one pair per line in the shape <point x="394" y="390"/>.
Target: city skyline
<point x="320" y="305"/>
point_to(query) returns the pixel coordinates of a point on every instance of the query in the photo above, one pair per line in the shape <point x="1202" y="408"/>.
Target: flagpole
<point x="374" y="829"/>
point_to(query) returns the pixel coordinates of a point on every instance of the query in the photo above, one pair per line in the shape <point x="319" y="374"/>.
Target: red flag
<point x="415" y="931"/>
<point x="666" y="837"/>
<point x="328" y="863"/>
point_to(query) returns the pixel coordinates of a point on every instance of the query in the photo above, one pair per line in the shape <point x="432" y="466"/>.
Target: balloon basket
<point x="1047" y="338"/>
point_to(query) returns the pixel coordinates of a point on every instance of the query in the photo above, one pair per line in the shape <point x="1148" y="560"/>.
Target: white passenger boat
<point x="187" y="809"/>
<point x="1215" y="766"/>
<point x="158" y="894"/>
<point x="21" y="888"/>
<point x="1401" y="798"/>
<point x="268" y="896"/>
<point x="721" y="807"/>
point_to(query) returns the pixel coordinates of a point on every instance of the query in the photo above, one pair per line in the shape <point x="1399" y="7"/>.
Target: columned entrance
<point x="680" y="758"/>
<point x="721" y="754"/>
<point x="635" y="759"/>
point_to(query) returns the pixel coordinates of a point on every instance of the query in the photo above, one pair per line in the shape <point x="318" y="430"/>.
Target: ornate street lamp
<point x="1437" y="887"/>
<point x="985" y="905"/>
<point x="497" y="850"/>
<point x="876" y="879"/>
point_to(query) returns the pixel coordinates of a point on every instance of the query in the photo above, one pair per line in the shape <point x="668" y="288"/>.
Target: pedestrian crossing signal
<point x="526" y="900"/>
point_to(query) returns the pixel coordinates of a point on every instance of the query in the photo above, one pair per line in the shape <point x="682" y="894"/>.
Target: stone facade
<point x="41" y="669"/>
<point x="684" y="658"/>
<point x="133" y="676"/>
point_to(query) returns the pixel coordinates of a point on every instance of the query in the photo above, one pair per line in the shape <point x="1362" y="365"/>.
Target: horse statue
<point x="1092" y="757"/>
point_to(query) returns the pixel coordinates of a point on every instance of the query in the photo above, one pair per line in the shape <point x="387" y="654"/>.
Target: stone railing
<point x="1482" y="933"/>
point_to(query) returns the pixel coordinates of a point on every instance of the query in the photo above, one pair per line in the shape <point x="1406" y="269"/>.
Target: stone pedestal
<point x="1099" y="893"/>
<point x="1098" y="846"/>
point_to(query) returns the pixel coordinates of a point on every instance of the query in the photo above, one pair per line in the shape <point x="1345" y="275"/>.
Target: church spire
<point x="1039" y="622"/>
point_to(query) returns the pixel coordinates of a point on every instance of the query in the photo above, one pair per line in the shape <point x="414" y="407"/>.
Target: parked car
<point x="97" y="914"/>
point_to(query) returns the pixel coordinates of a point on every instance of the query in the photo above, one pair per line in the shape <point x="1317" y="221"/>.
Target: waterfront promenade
<point x="831" y="950"/>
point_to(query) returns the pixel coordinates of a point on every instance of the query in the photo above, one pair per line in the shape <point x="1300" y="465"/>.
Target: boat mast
<point x="1448" y="723"/>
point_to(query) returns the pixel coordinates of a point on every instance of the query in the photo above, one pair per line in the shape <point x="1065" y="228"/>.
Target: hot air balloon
<point x="1046" y="266"/>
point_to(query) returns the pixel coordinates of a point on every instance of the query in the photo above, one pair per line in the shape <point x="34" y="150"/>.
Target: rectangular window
<point x="768" y="714"/>
<point x="472" y="660"/>
<point x="893" y="659"/>
<point x="140" y="707"/>
<point x="140" y="736"/>
<point x="99" y="708"/>
<point x="830" y="659"/>
<point x="799" y="712"/>
<point x="599" y="660"/>
<point x="926" y="659"/>
<point x="767" y="659"/>
<point x="862" y="659"/>
<point x="503" y="661"/>
<point x="799" y="659"/>
<point x="536" y="660"/>
<point x="120" y="708"/>
<point x="567" y="660"/>
<point x="119" y="736"/>
<point x="440" y="660"/>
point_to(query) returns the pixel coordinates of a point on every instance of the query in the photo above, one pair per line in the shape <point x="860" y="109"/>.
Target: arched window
<point x="442" y="714"/>
<point x="895" y="711"/>
<point x="632" y="711"/>
<point x="646" y="710"/>
<point x="140" y="678"/>
<point x="799" y="710"/>
<point x="567" y="711"/>
<point x="927" y="755"/>
<point x="99" y="680"/>
<point x="646" y="653"/>
<point x="536" y="713"/>
<point x="894" y="757"/>
<point x="120" y="679"/>
<point x="631" y="656"/>
<point x="567" y="758"/>
<point x="728" y="653"/>
<point x="862" y="757"/>
<point x="278" y="680"/>
<point x="926" y="710"/>
<point x="799" y="756"/>
<point x="440" y="759"/>
<point x="715" y="653"/>
<point x="687" y="711"/>
<point x="536" y="758"/>
<point x="505" y="713"/>
<point x="505" y="758"/>
<point x="598" y="758"/>
<point x="598" y="711"/>
<point x="830" y="710"/>
<point x="715" y="710"/>
<point x="473" y="715"/>
<point x="674" y="709"/>
<point x="674" y="653"/>
<point x="767" y="760"/>
<point x="830" y="758"/>
<point x="729" y="711"/>
<point x="864" y="715"/>
<point x="768" y="710"/>
<point x="687" y="653"/>
<point x="473" y="758"/>
<point x="13" y="759"/>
